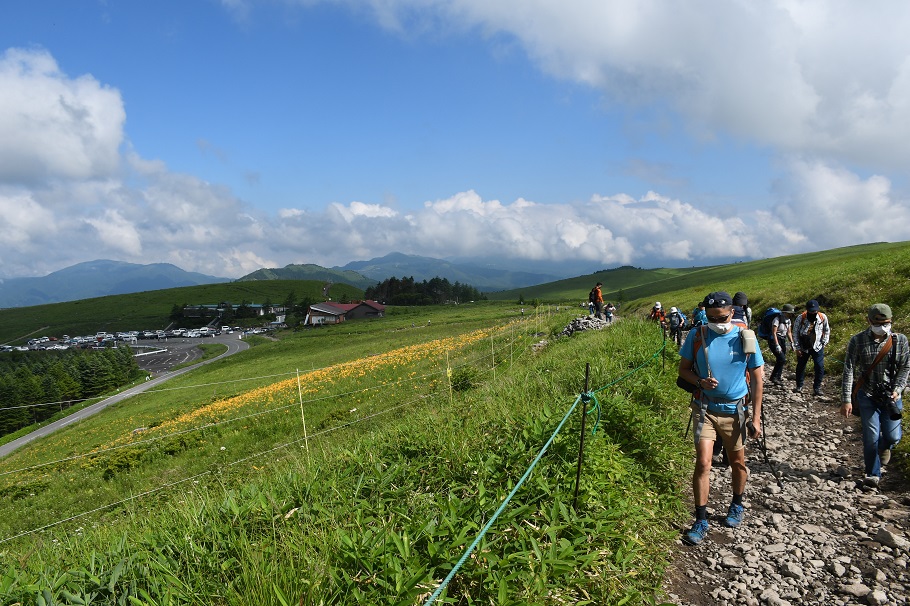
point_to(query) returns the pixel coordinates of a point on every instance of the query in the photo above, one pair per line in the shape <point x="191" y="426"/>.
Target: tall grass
<point x="379" y="512"/>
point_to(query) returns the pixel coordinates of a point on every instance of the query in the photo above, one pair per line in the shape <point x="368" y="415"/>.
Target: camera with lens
<point x="881" y="395"/>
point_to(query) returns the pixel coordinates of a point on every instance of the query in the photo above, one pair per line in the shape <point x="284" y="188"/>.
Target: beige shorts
<point x="724" y="426"/>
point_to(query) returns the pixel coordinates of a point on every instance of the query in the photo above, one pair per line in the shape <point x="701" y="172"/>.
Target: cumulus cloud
<point x="72" y="189"/>
<point x="816" y="76"/>
<point x="53" y="126"/>
<point x="826" y="206"/>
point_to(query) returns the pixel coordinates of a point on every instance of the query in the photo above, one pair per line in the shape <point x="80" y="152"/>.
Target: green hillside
<point x="151" y="310"/>
<point x="825" y="275"/>
<point x="355" y="464"/>
<point x="572" y="290"/>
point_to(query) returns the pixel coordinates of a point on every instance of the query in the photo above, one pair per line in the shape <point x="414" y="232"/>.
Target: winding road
<point x="172" y="353"/>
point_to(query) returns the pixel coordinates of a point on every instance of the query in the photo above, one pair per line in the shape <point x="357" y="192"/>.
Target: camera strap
<point x="868" y="372"/>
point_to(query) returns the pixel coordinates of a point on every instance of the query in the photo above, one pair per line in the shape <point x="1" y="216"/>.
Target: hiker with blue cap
<point x="719" y="358"/>
<point x="812" y="333"/>
<point x="880" y="359"/>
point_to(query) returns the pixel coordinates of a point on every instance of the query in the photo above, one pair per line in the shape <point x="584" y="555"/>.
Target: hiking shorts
<point x="723" y="426"/>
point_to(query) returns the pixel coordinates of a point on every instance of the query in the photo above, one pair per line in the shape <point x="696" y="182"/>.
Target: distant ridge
<point x="308" y="271"/>
<point x="97" y="279"/>
<point x="481" y="277"/>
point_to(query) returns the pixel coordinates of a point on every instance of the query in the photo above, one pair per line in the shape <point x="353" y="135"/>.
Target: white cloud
<point x="828" y="77"/>
<point x="828" y="206"/>
<point x="116" y="233"/>
<point x="52" y="126"/>
<point x="780" y="74"/>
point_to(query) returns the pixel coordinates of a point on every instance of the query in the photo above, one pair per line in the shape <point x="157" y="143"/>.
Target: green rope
<point x="502" y="507"/>
<point x="634" y="370"/>
<point x="587" y="397"/>
<point x="584" y="397"/>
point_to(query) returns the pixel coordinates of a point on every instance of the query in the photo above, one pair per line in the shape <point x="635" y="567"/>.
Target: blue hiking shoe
<point x="697" y="533"/>
<point x="734" y="516"/>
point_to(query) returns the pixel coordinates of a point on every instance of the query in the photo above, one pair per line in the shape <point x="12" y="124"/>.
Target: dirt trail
<point x="821" y="539"/>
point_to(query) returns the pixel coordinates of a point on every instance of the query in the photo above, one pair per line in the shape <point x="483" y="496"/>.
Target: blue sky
<point x="227" y="136"/>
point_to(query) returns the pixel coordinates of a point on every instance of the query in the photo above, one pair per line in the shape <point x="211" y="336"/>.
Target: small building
<point x="335" y="313"/>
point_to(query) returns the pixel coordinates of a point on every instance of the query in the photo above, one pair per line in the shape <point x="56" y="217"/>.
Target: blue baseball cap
<point x="812" y="305"/>
<point x="718" y="299"/>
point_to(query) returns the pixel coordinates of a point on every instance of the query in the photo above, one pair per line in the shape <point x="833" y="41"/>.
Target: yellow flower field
<point x="285" y="393"/>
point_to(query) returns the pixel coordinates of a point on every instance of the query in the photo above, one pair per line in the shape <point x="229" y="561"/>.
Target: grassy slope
<point x="576" y="289"/>
<point x="149" y="310"/>
<point x="350" y="505"/>
<point x="446" y="459"/>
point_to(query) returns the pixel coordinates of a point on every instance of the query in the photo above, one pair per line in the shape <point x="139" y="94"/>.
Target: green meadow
<point x="368" y="462"/>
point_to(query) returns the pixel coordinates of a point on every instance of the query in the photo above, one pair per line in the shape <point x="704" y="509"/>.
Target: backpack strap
<point x="701" y="403"/>
<point x="868" y="372"/>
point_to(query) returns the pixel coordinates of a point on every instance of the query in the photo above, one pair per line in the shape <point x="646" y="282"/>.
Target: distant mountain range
<point x="481" y="277"/>
<point x="97" y="279"/>
<point x="103" y="277"/>
<point x="311" y="272"/>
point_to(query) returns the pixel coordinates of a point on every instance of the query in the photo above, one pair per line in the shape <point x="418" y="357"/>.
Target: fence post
<point x="306" y="440"/>
<point x="581" y="441"/>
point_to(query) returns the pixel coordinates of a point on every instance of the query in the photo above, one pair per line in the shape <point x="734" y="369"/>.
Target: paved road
<point x="175" y="351"/>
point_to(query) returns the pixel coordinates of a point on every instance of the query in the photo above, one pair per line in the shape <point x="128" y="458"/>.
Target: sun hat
<point x="787" y="308"/>
<point x="673" y="310"/>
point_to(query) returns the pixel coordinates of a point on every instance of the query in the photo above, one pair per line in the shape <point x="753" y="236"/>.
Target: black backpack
<point x="767" y="319"/>
<point x="592" y="296"/>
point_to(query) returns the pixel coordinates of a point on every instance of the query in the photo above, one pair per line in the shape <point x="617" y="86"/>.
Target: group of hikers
<point x="721" y="365"/>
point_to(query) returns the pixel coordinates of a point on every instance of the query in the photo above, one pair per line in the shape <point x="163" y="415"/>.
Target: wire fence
<point x="589" y="396"/>
<point x="504" y="352"/>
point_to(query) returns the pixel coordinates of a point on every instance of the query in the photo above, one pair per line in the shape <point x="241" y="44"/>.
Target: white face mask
<point x="721" y="329"/>
<point x="881" y="330"/>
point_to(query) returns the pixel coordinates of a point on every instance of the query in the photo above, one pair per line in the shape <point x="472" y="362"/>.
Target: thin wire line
<point x="199" y="475"/>
<point x="217" y="423"/>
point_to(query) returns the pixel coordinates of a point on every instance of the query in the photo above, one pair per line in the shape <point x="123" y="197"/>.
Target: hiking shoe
<point x="817" y="392"/>
<point x="734" y="516"/>
<point x="697" y="533"/>
<point x="798" y="389"/>
<point x="885" y="456"/>
<point x="871" y="481"/>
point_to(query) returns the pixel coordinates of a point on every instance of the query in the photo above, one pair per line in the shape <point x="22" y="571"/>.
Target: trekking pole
<point x="763" y="446"/>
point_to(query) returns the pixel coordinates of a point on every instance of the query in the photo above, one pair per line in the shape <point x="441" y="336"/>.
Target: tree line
<point x="407" y="291"/>
<point x="57" y="378"/>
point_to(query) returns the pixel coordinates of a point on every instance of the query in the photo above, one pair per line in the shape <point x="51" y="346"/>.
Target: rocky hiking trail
<point x="821" y="538"/>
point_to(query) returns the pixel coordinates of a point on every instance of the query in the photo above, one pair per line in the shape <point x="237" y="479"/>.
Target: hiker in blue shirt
<point x="718" y="360"/>
<point x="698" y="315"/>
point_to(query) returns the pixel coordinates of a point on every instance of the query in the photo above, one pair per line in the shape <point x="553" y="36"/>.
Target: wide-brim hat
<point x="787" y="308"/>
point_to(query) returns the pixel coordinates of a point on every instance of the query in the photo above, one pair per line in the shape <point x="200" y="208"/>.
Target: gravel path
<point x="821" y="539"/>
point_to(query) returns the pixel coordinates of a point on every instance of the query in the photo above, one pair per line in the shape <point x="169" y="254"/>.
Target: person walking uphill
<point x="597" y="298"/>
<point x="717" y="360"/>
<point x="812" y="333"/>
<point x="881" y="359"/>
<point x="780" y="333"/>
